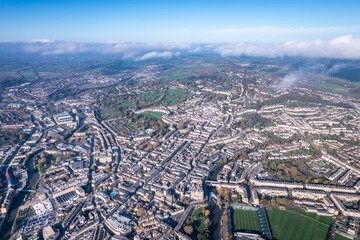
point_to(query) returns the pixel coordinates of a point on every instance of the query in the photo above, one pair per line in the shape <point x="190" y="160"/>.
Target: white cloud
<point x="56" y="48"/>
<point x="126" y="50"/>
<point x="344" y="47"/>
<point x="197" y="49"/>
<point x="43" y="40"/>
<point x="277" y="34"/>
<point x="155" y="54"/>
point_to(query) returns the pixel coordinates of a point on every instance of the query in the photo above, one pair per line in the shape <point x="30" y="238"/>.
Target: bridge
<point x="28" y="190"/>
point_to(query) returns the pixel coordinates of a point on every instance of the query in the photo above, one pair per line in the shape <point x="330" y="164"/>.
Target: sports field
<point x="246" y="220"/>
<point x="339" y="237"/>
<point x="298" y="225"/>
<point x="154" y="115"/>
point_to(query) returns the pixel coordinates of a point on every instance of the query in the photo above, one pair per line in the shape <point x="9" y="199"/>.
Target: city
<point x="138" y="160"/>
<point x="179" y="120"/>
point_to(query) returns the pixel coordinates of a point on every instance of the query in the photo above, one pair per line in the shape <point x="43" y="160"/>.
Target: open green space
<point x="179" y="74"/>
<point x="152" y="96"/>
<point x="188" y="70"/>
<point x="175" y="96"/>
<point x="340" y="237"/>
<point x="197" y="220"/>
<point x="339" y="86"/>
<point x="28" y="72"/>
<point x="245" y="220"/>
<point x="197" y="224"/>
<point x="155" y="115"/>
<point x="178" y="93"/>
<point x="172" y="97"/>
<point x="11" y="72"/>
<point x="126" y="105"/>
<point x="298" y="225"/>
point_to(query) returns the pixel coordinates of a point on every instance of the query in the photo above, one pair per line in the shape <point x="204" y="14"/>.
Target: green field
<point x="338" y="85"/>
<point x="126" y="105"/>
<point x="28" y="72"/>
<point x="175" y="96"/>
<point x="172" y="97"/>
<point x="155" y="115"/>
<point x="196" y="220"/>
<point x="246" y="220"/>
<point x="339" y="237"/>
<point x="178" y="93"/>
<point x="11" y="72"/>
<point x="152" y="96"/>
<point x="180" y="74"/>
<point x="298" y="225"/>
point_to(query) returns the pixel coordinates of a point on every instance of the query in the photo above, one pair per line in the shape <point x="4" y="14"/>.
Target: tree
<point x="206" y="234"/>
<point x="221" y="191"/>
<point x="265" y="202"/>
<point x="207" y="222"/>
<point x="207" y="212"/>
<point x="219" y="201"/>
<point x="107" y="169"/>
<point x="140" y="212"/>
<point x="189" y="229"/>
<point x="227" y="195"/>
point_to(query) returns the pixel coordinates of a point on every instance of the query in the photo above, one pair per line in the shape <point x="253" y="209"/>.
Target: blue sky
<point x="169" y="21"/>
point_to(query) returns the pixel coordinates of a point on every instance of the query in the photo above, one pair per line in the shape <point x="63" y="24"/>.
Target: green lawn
<point x="245" y="220"/>
<point x="179" y="74"/>
<point x="11" y="72"/>
<point x="155" y="115"/>
<point x="340" y="237"/>
<point x="298" y="225"/>
<point x="152" y="96"/>
<point x="197" y="221"/>
<point x="28" y="72"/>
<point x="126" y="105"/>
<point x="175" y="96"/>
<point x="337" y="85"/>
<point x="177" y="92"/>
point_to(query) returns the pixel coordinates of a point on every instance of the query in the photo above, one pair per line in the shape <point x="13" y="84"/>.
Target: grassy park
<point x="154" y="115"/>
<point x="340" y="237"/>
<point x="297" y="225"/>
<point x="245" y="220"/>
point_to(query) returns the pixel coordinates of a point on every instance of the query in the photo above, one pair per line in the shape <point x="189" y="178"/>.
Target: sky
<point x="139" y="29"/>
<point x="180" y="21"/>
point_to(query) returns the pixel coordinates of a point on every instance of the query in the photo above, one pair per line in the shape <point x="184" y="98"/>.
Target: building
<point x="119" y="225"/>
<point x="48" y="233"/>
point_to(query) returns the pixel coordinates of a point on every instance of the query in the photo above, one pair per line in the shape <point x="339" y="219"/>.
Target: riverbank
<point x="33" y="177"/>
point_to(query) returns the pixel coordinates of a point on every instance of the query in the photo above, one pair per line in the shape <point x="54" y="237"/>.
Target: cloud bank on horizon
<point x="127" y="50"/>
<point x="343" y="47"/>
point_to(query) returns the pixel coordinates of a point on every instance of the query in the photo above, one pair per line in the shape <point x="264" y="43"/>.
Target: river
<point x="33" y="177"/>
<point x="216" y="212"/>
